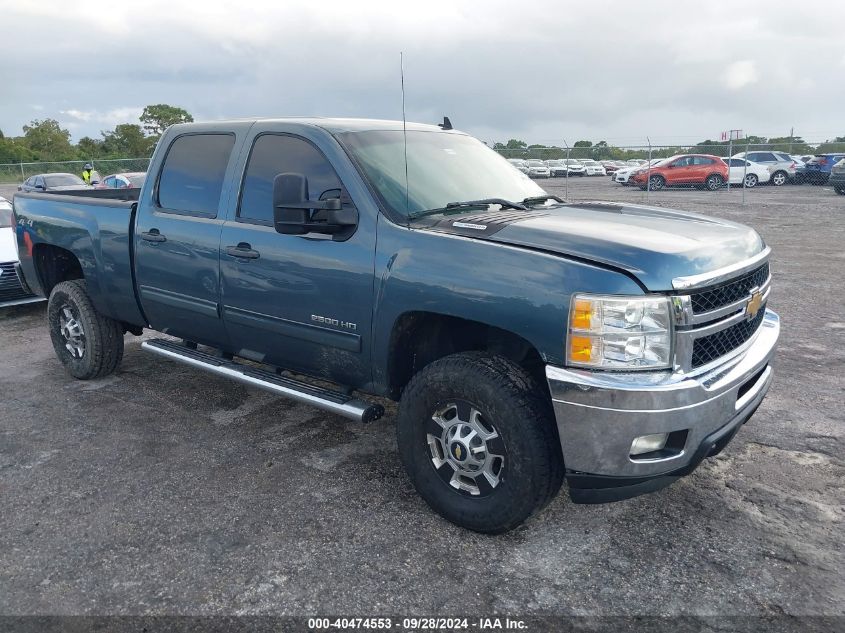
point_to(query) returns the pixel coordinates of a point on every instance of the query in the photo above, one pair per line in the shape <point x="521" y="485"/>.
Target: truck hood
<point x="655" y="245"/>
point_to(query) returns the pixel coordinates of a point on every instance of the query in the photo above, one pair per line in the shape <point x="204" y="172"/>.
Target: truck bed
<point x="96" y="229"/>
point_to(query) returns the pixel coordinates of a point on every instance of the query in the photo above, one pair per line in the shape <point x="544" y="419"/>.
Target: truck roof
<point x="333" y="125"/>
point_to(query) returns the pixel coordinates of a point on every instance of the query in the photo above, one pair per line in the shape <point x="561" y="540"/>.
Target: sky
<point x="543" y="72"/>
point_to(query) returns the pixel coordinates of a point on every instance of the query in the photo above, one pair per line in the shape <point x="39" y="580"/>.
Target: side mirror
<point x="295" y="214"/>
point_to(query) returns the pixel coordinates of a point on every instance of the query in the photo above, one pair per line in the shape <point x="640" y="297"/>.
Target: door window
<point x="192" y="176"/>
<point x="702" y="160"/>
<point x="274" y="154"/>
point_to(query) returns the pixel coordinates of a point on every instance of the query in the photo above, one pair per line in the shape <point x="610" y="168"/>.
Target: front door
<point x="303" y="302"/>
<point x="177" y="240"/>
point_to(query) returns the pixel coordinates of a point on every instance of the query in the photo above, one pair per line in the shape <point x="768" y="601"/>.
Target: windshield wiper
<point x="541" y="199"/>
<point x="469" y="204"/>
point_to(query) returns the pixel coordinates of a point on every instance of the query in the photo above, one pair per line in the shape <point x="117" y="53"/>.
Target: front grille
<point x="10" y="285"/>
<point x="709" y="348"/>
<point x="734" y="290"/>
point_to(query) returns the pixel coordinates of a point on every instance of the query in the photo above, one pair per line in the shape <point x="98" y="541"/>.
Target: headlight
<point x="619" y="332"/>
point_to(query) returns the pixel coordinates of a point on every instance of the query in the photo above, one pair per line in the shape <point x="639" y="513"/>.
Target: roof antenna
<point x="446" y="125"/>
<point x="404" y="131"/>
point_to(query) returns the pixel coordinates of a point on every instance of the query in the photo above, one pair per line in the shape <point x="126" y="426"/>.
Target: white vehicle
<point x="593" y="168"/>
<point x="575" y="167"/>
<point x="537" y="169"/>
<point x="557" y="167"/>
<point x="12" y="292"/>
<point x="519" y="164"/>
<point x="753" y="173"/>
<point x="623" y="175"/>
<point x="780" y="164"/>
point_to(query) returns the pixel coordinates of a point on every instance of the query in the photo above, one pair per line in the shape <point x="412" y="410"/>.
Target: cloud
<point x="741" y="74"/>
<point x="542" y="71"/>
<point x="111" y="117"/>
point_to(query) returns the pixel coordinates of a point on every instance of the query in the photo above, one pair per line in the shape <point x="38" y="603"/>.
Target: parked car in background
<point x="127" y="180"/>
<point x="575" y="167"/>
<point x="636" y="162"/>
<point x="537" y="169"/>
<point x="780" y="165"/>
<point x="752" y="173"/>
<point x="593" y="168"/>
<point x="519" y="164"/>
<point x="623" y="174"/>
<point x="819" y="168"/>
<point x="52" y="182"/>
<point x="557" y="167"/>
<point x="701" y="170"/>
<point x="610" y="166"/>
<point x="12" y="291"/>
<point x="837" y="177"/>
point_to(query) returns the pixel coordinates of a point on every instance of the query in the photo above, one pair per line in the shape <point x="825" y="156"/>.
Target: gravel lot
<point x="162" y="490"/>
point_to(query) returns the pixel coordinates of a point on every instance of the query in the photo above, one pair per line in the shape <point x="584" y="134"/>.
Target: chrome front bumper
<point x="599" y="414"/>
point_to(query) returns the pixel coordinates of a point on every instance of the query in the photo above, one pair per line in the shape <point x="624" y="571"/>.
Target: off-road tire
<point x="103" y="336"/>
<point x="521" y="414"/>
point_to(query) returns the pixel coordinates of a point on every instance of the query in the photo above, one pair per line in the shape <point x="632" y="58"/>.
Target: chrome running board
<point x="333" y="401"/>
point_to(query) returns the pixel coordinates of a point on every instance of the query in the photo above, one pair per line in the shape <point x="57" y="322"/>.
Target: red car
<point x="702" y="170"/>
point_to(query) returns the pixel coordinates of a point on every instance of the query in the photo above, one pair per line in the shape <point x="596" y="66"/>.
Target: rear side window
<point x="192" y="176"/>
<point x="702" y="160"/>
<point x="274" y="154"/>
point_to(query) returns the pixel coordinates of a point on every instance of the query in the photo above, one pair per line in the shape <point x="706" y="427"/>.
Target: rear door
<point x="303" y="302"/>
<point x="177" y="237"/>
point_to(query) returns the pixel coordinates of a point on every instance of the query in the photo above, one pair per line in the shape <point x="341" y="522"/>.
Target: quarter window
<point x="192" y="176"/>
<point x="274" y="154"/>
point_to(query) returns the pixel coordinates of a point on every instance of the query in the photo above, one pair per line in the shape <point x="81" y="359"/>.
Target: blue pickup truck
<point x="526" y="339"/>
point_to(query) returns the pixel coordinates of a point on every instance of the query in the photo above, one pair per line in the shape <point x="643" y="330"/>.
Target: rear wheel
<point x="713" y="182"/>
<point x="840" y="190"/>
<point x="478" y="439"/>
<point x="88" y="344"/>
<point x="779" y="178"/>
<point x="751" y="180"/>
<point x="656" y="182"/>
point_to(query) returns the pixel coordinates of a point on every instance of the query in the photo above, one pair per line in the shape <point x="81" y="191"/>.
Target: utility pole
<point x="791" y="133"/>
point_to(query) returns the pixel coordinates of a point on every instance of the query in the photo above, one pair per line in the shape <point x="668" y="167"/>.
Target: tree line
<point x="601" y="150"/>
<point x="45" y="140"/>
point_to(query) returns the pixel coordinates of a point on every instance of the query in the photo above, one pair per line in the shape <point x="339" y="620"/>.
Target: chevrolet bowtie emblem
<point x="753" y="305"/>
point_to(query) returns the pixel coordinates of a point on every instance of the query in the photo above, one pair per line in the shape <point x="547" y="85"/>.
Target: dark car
<point x="126" y="180"/>
<point x="52" y="182"/>
<point x="837" y="177"/>
<point x="818" y="169"/>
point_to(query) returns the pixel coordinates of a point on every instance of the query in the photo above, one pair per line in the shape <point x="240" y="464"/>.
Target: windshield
<point x="60" y="180"/>
<point x="442" y="168"/>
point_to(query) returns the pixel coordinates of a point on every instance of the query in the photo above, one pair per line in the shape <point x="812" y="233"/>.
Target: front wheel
<point x="88" y="344"/>
<point x="840" y="190"/>
<point x="478" y="439"/>
<point x="713" y="182"/>
<point x="656" y="182"/>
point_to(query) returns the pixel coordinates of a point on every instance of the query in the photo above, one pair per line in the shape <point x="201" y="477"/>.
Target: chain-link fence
<point x="18" y="172"/>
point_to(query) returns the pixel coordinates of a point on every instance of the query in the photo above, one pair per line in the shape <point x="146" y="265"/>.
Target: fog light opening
<point x="648" y="443"/>
<point x="658" y="446"/>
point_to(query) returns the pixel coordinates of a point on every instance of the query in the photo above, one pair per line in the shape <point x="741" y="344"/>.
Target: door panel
<point x="305" y="301"/>
<point x="177" y="240"/>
